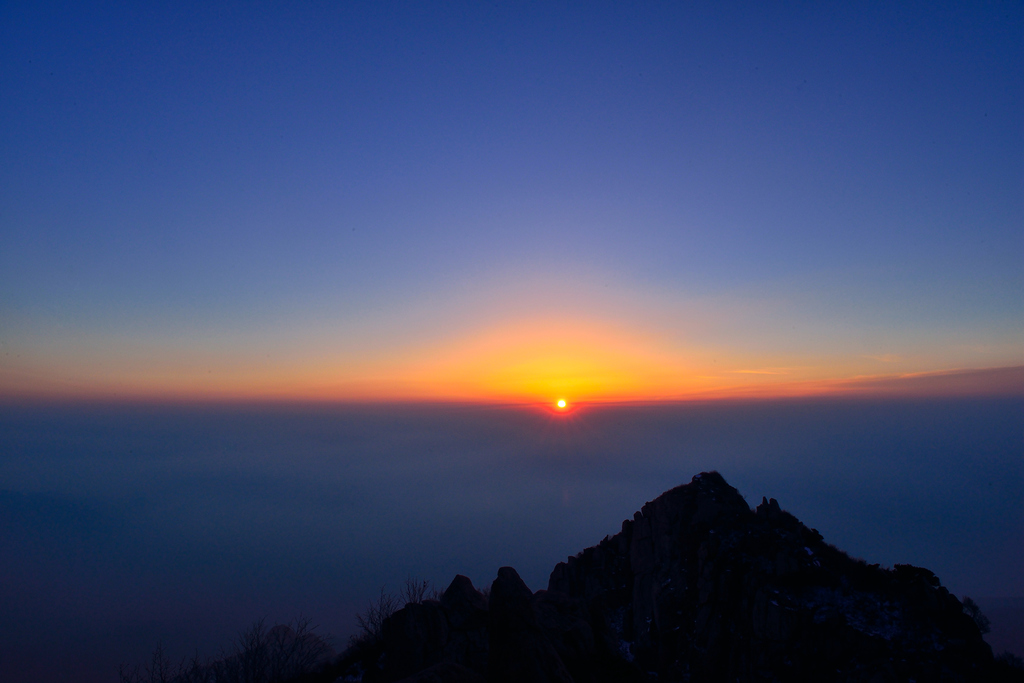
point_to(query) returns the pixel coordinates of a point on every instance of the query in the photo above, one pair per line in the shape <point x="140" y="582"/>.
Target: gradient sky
<point x="507" y="201"/>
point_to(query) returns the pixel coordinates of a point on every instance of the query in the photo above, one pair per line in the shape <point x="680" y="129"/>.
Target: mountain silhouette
<point x="696" y="587"/>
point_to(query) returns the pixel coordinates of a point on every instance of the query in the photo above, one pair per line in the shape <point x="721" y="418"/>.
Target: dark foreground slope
<point x="697" y="587"/>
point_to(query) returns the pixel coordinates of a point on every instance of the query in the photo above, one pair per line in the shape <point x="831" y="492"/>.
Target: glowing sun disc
<point x="561" y="403"/>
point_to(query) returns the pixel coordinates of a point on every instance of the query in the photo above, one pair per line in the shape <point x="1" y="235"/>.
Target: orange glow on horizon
<point x="531" y="361"/>
<point x="991" y="382"/>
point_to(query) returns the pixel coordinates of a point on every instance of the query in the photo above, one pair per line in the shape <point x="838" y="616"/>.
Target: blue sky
<point x="277" y="193"/>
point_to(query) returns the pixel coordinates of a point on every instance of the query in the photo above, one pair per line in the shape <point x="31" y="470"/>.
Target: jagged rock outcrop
<point x="696" y="587"/>
<point x="445" y="640"/>
<point x="520" y="649"/>
<point x="700" y="588"/>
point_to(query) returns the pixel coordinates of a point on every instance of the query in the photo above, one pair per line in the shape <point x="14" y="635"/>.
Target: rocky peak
<point x="466" y="607"/>
<point x="696" y="587"/>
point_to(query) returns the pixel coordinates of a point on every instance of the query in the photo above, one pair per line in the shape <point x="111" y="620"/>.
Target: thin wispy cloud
<point x="763" y="371"/>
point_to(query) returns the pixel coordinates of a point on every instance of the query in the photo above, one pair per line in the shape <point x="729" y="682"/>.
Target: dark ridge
<point x="696" y="587"/>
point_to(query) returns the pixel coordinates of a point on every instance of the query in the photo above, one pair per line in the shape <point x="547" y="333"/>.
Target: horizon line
<point x="994" y="382"/>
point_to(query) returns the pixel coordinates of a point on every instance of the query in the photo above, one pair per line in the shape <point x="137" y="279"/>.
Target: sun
<point x="561" y="404"/>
